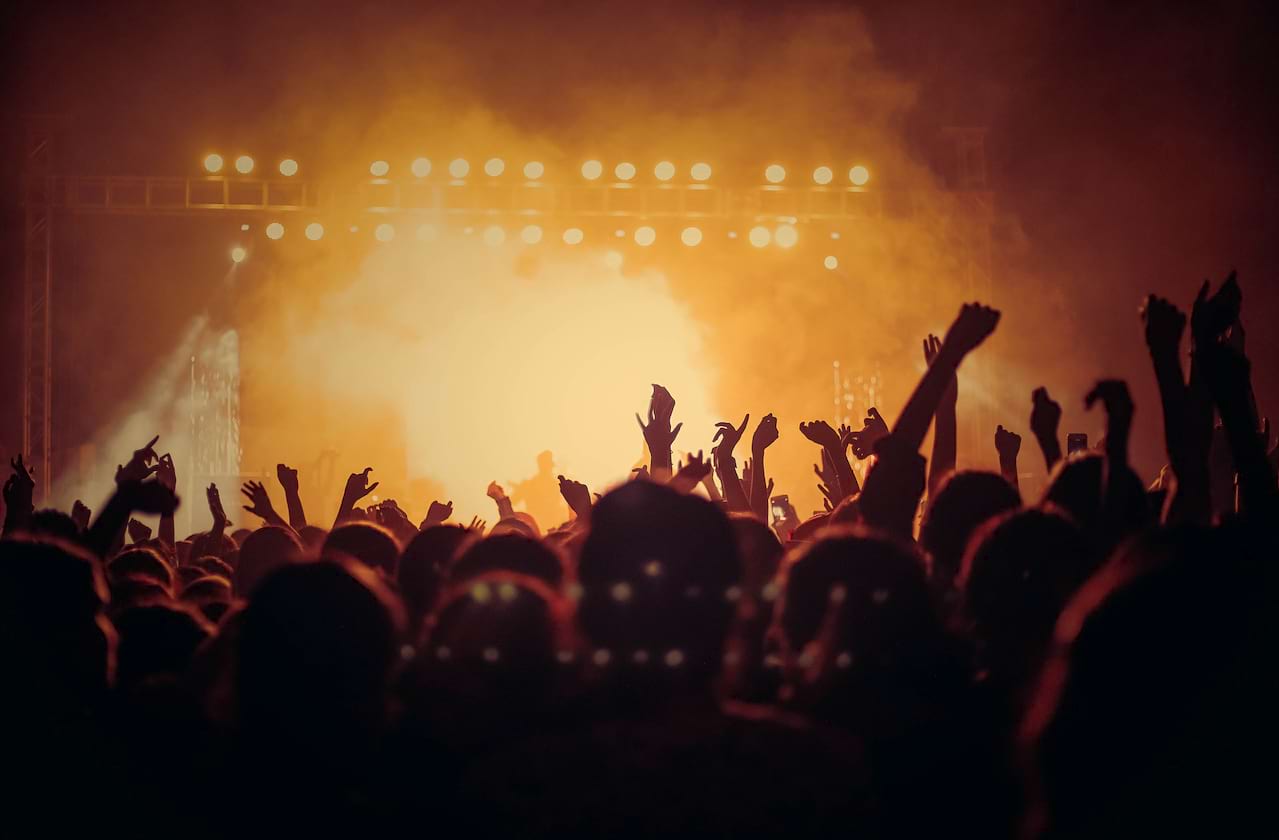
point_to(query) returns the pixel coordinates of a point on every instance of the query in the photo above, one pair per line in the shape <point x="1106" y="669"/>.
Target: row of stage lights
<point x="591" y="170"/>
<point x="783" y="236"/>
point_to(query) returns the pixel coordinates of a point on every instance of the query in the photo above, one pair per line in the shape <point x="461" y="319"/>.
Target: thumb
<point x="675" y="431"/>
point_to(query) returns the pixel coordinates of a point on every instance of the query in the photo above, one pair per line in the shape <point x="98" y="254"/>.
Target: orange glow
<point x="238" y="254"/>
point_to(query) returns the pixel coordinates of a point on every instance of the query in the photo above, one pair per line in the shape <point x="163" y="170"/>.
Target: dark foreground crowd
<point x="932" y="656"/>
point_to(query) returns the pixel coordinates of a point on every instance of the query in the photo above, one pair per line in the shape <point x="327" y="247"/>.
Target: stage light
<point x="732" y="234"/>
<point x="645" y="236"/>
<point x="244" y="226"/>
<point x="624" y="171"/>
<point x="531" y="234"/>
<point x="613" y="259"/>
<point x="314" y="231"/>
<point x="823" y="175"/>
<point x="573" y="236"/>
<point x="288" y="167"/>
<point x="834" y="234"/>
<point x="786" y="236"/>
<point x="701" y="171"/>
<point x="459" y="168"/>
<point x="831" y="263"/>
<point x="691" y="236"/>
<point x="426" y="233"/>
<point x="859" y="175"/>
<point x="494" y="167"/>
<point x="275" y="230"/>
<point x="384" y="232"/>
<point x="379" y="168"/>
<point x="775" y="173"/>
<point x="421" y="167"/>
<point x="238" y="254"/>
<point x="759" y="236"/>
<point x="619" y="233"/>
<point x="534" y="170"/>
<point x="494" y="236"/>
<point x="244" y="164"/>
<point x="213" y="164"/>
<point x="592" y="169"/>
<point x="664" y="171"/>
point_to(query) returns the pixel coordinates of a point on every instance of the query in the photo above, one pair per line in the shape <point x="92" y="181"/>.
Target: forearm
<point x="166" y="532"/>
<point x="505" y="510"/>
<point x="297" y="517"/>
<point x="945" y="444"/>
<point x="108" y="529"/>
<point x="848" y="485"/>
<point x="726" y="469"/>
<point x="1257" y="492"/>
<point x="759" y="486"/>
<point x="912" y="423"/>
<point x="1050" y="447"/>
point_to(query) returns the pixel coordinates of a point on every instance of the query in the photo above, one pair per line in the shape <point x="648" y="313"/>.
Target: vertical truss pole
<point x="37" y="302"/>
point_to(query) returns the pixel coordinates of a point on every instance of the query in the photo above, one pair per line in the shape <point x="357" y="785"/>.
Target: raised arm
<point x="945" y="424"/>
<point x="1008" y="445"/>
<point x="764" y="437"/>
<point x="1187" y="448"/>
<point x="505" y="510"/>
<point x="970" y="329"/>
<point x="1045" y="417"/>
<point x="821" y="433"/>
<point x="260" y="504"/>
<point x="726" y="437"/>
<point x="357" y="487"/>
<point x="167" y="475"/>
<point x="288" y="478"/>
<point x="658" y="433"/>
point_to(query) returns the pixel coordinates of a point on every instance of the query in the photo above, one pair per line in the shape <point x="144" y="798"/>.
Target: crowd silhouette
<point x="932" y="655"/>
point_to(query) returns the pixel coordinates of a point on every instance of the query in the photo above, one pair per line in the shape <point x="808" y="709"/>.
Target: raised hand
<point x="821" y="433"/>
<point x="437" y="514"/>
<point x="873" y="428"/>
<point x="973" y="326"/>
<point x="577" y="496"/>
<point x="165" y="472"/>
<point x="20" y="487"/>
<point x="357" y="487"/>
<point x="495" y="491"/>
<point x="505" y="509"/>
<point x="260" y="502"/>
<point x="827" y="477"/>
<point x="658" y="433"/>
<point x="1210" y="317"/>
<point x="80" y="515"/>
<point x="693" y="472"/>
<point x="215" y="507"/>
<point x="727" y="435"/>
<point x="138" y="531"/>
<point x="765" y="434"/>
<point x="1113" y="394"/>
<point x="139" y="466"/>
<point x="1164" y="324"/>
<point x="288" y="478"/>
<point x="1007" y="443"/>
<point x="477" y="525"/>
